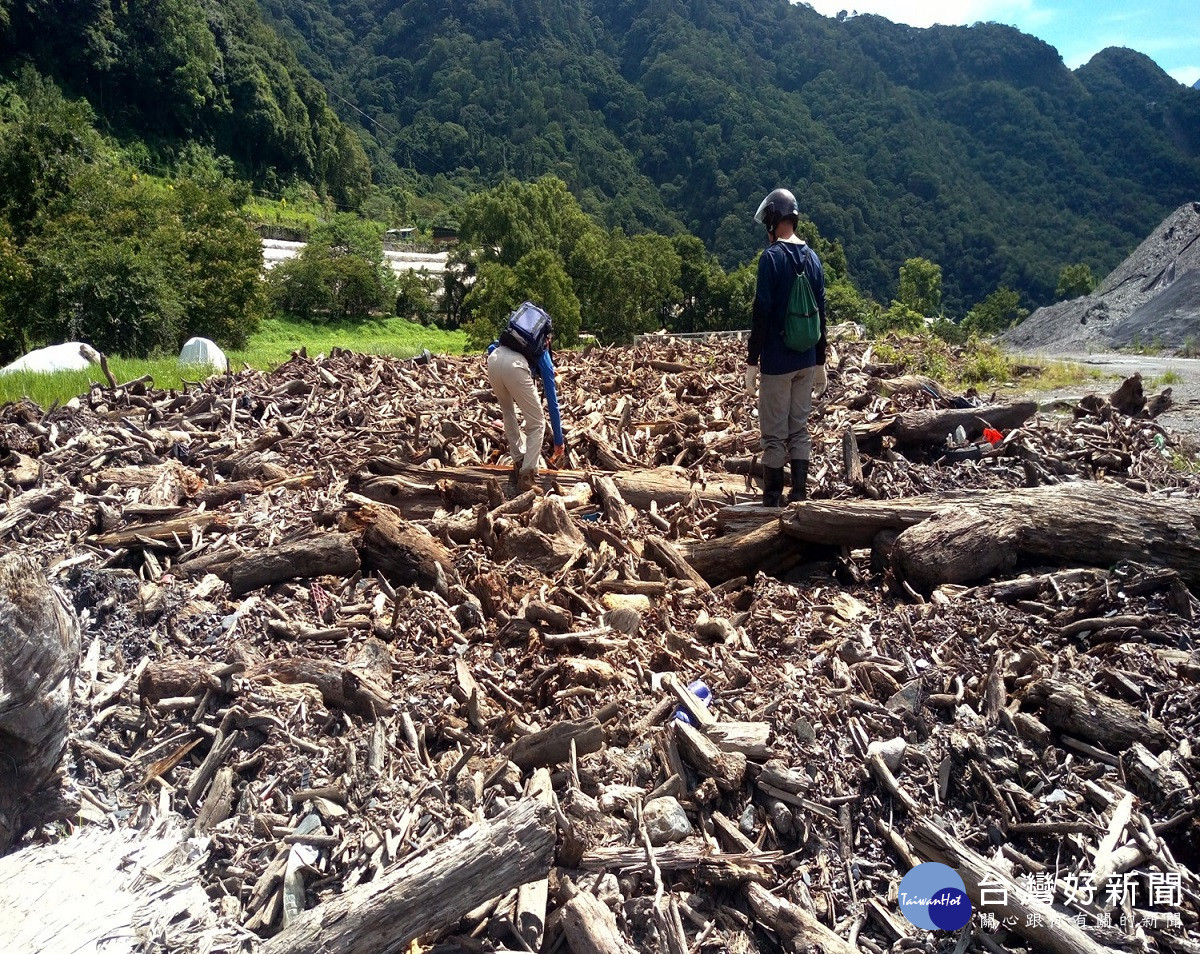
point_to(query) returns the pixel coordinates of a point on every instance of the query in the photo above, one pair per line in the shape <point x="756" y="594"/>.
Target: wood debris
<point x="628" y="711"/>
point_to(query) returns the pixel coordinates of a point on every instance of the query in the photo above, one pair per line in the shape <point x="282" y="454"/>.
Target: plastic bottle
<point x="701" y="692"/>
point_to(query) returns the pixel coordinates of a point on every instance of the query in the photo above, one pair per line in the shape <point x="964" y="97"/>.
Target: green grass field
<point x="268" y="348"/>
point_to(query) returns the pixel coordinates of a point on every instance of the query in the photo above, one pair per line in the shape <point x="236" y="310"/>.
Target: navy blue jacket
<point x="778" y="267"/>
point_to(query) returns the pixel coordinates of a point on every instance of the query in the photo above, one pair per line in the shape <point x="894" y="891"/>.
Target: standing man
<point x="789" y="378"/>
<point x="522" y="350"/>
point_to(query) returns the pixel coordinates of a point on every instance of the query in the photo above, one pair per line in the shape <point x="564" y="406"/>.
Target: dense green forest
<point x="975" y="147"/>
<point x="968" y="158"/>
<point x="166" y="73"/>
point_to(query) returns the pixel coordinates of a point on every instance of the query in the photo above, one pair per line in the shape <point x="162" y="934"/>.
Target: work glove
<point x="751" y="380"/>
<point x="558" y="458"/>
<point x="820" y="381"/>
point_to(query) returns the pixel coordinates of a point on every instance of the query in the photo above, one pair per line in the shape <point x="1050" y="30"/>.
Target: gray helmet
<point x="776" y="207"/>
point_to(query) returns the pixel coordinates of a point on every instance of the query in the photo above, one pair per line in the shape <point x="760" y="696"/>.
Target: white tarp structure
<point x="68" y="356"/>
<point x="203" y="351"/>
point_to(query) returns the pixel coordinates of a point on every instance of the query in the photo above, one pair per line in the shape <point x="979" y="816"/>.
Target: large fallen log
<point x="800" y="930"/>
<point x="1044" y="927"/>
<point x="318" y="554"/>
<point x="931" y="427"/>
<point x="1082" y="524"/>
<point x="439" y="887"/>
<point x="1094" y="717"/>
<point x="766" y="548"/>
<point x="404" y="553"/>
<point x="417" y="492"/>
<point x="39" y="648"/>
<point x="850" y="523"/>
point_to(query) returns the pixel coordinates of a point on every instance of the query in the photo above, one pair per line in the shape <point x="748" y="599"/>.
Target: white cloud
<point x="1187" y="75"/>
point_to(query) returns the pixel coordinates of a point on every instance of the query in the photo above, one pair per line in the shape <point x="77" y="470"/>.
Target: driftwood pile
<point x="287" y="635"/>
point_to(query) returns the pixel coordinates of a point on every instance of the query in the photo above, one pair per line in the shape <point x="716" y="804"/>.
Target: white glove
<point x="751" y="381"/>
<point x="820" y="381"/>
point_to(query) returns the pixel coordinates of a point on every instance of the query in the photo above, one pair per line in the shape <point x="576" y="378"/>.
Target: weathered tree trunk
<point x="177" y="528"/>
<point x="439" y="887"/>
<point x="855" y="523"/>
<point x="1094" y="717"/>
<point x="668" y="557"/>
<point x="404" y="553"/>
<point x="339" y="685"/>
<point x="316" y="555"/>
<point x="1040" y="924"/>
<point x="1084" y="524"/>
<point x="852" y="471"/>
<point x="549" y="541"/>
<point x="766" y="548"/>
<point x="590" y="927"/>
<point x="115" y="891"/>
<point x="800" y="930"/>
<point x="931" y="427"/>
<point x="39" y="648"/>
<point x="415" y="489"/>
<point x="552" y="745"/>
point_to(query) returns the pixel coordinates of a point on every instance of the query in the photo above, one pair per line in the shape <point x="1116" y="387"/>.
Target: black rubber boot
<point x="772" y="487"/>
<point x="799" y="481"/>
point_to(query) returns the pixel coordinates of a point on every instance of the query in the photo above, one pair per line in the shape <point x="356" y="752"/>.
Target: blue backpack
<point x="527" y="330"/>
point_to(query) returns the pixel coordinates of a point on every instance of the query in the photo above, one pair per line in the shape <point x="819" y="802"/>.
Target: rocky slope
<point x="1153" y="297"/>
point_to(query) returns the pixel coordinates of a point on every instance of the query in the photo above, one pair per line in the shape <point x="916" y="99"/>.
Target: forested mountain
<point x="973" y="147"/>
<point x="166" y="73"/>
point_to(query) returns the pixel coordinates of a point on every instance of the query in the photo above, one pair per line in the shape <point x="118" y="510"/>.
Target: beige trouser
<point x="508" y="372"/>
<point x="784" y="403"/>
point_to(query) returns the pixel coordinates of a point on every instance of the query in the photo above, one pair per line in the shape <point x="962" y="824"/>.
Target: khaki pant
<point x="784" y="403"/>
<point x="508" y="372"/>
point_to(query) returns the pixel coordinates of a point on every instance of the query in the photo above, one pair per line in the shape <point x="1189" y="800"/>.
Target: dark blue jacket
<point x="778" y="267"/>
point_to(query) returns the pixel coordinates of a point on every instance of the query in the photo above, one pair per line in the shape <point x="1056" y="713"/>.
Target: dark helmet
<point x="776" y="207"/>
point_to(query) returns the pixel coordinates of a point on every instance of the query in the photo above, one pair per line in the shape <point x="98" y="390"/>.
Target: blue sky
<point x="1167" y="31"/>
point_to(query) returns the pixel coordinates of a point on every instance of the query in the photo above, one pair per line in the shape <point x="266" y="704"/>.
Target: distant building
<point x="445" y="234"/>
<point x="399" y="235"/>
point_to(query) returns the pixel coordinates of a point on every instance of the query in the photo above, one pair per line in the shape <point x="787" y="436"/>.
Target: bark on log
<point x="415" y="488"/>
<point x="1045" y="928"/>
<point x="590" y="927"/>
<point x="1084" y="524"/>
<point x="665" y="554"/>
<point x="217" y="495"/>
<point x="766" y="548"/>
<point x="800" y="930"/>
<point x="855" y="523"/>
<point x="39" y="648"/>
<point x="318" y="555"/>
<point x="931" y="427"/>
<point x="403" y="552"/>
<point x="1094" y="717"/>
<point x="385" y="915"/>
<point x="552" y="745"/>
<point x="852" y="471"/>
<point x="339" y="685"/>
